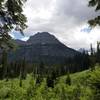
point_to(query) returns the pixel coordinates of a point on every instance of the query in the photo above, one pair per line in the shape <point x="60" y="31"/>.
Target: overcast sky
<point x="66" y="19"/>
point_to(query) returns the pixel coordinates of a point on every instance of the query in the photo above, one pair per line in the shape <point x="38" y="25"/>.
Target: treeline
<point x="14" y="69"/>
<point x="79" y="62"/>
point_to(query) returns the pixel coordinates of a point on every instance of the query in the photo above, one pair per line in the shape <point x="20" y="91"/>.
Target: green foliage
<point x="96" y="20"/>
<point x="95" y="3"/>
<point x="4" y="92"/>
<point x="39" y="79"/>
<point x="50" y="82"/>
<point x="98" y="53"/>
<point x="84" y="86"/>
<point x="68" y="79"/>
<point x="11" y="18"/>
<point x="4" y="64"/>
<point x="92" y="58"/>
<point x="95" y="79"/>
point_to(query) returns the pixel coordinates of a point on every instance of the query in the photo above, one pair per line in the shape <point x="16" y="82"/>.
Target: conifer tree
<point x="41" y="69"/>
<point x="39" y="79"/>
<point x="20" y="76"/>
<point x="92" y="51"/>
<point x="20" y="79"/>
<point x="68" y="79"/>
<point x="11" y="17"/>
<point x="92" y="59"/>
<point x="24" y="69"/>
<point x="98" y="53"/>
<point x="50" y="82"/>
<point x="4" y="63"/>
<point x="96" y="20"/>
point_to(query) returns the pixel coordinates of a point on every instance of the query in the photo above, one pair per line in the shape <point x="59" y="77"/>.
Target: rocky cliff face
<point x="42" y="47"/>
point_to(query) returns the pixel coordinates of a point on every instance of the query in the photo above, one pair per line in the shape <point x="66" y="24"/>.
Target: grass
<point x="79" y="89"/>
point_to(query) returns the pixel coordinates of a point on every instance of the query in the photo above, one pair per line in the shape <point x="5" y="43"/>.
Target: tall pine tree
<point x="92" y="58"/>
<point x="98" y="53"/>
<point x="4" y="63"/>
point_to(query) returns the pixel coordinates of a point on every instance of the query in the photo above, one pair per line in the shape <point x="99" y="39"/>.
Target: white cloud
<point x="64" y="19"/>
<point x="25" y="38"/>
<point x="80" y="39"/>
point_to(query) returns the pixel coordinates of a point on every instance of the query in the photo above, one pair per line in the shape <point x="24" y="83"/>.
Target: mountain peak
<point x="43" y="47"/>
<point x="43" y="38"/>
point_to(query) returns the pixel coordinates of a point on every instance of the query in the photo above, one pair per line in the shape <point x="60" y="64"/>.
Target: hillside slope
<point x="84" y="86"/>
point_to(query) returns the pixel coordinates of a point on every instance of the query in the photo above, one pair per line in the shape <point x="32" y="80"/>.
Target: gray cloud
<point x="61" y="18"/>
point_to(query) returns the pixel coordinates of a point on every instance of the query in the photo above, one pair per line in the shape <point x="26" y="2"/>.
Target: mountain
<point x="42" y="47"/>
<point x="20" y="42"/>
<point x="43" y="38"/>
